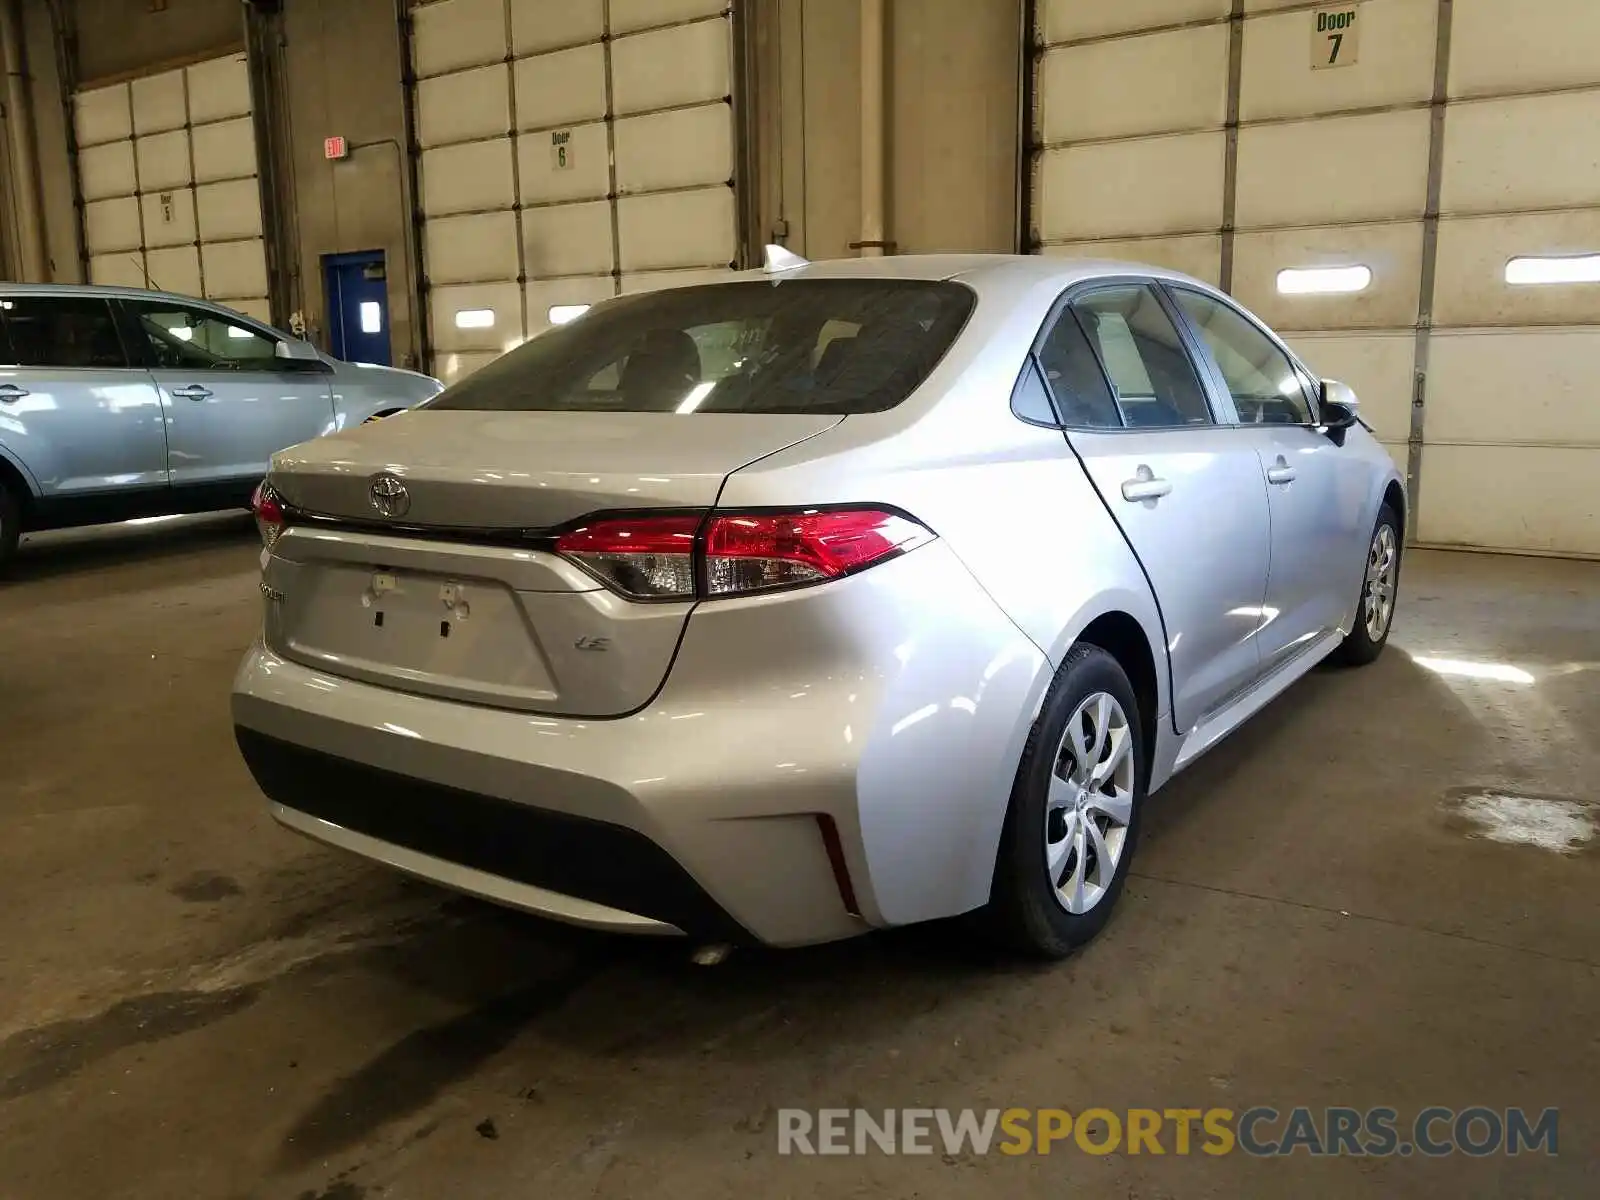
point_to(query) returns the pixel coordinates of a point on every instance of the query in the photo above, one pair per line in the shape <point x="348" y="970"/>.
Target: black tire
<point x="1024" y="910"/>
<point x="10" y="526"/>
<point x="1360" y="647"/>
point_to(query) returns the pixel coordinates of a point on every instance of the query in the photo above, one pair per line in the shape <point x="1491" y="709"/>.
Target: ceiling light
<point x="1323" y="281"/>
<point x="238" y="334"/>
<point x="475" y="318"/>
<point x="560" y="314"/>
<point x="1572" y="268"/>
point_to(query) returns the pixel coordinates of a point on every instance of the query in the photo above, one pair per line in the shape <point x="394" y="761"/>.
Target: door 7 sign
<point x="1335" y="37"/>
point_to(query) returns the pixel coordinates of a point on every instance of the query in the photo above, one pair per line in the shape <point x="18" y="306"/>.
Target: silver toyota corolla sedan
<point x="118" y="403"/>
<point x="832" y="597"/>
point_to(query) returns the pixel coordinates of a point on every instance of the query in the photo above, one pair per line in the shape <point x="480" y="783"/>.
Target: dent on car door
<point x="74" y="409"/>
<point x="1316" y="492"/>
<point x="1186" y="493"/>
<point x="233" y="403"/>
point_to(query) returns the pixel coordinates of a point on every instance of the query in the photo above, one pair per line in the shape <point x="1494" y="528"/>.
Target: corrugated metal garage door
<point x="167" y="165"/>
<point x="1148" y="152"/>
<point x="569" y="151"/>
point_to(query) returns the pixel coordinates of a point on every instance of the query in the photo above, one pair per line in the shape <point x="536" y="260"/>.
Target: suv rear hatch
<point x="459" y="593"/>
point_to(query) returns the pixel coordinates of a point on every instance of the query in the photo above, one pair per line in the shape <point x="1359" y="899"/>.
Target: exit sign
<point x="335" y="147"/>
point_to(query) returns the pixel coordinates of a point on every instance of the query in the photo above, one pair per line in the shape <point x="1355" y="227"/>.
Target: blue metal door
<point x="358" y="307"/>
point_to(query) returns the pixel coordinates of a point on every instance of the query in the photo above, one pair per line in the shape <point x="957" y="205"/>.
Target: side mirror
<point x="1338" y="406"/>
<point x="297" y="351"/>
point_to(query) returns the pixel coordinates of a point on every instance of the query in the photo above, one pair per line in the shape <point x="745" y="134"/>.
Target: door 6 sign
<point x="1335" y="37"/>
<point x="561" y="150"/>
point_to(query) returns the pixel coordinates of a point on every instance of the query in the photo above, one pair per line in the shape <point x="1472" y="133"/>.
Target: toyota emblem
<point x="389" y="496"/>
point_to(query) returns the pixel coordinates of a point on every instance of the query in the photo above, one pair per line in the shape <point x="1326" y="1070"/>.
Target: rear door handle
<point x="1145" y="486"/>
<point x="193" y="392"/>
<point x="1281" y="472"/>
<point x="10" y="392"/>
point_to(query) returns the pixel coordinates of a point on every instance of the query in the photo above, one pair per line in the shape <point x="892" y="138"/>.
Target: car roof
<point x="102" y="289"/>
<point x="975" y="269"/>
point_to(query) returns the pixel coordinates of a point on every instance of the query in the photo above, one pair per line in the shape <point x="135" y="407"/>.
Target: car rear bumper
<point x="818" y="763"/>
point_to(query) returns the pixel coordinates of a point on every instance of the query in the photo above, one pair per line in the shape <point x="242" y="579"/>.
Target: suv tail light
<point x="681" y="557"/>
<point x="269" y="514"/>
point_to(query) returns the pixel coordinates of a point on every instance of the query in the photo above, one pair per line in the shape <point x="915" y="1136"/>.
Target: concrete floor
<point x="193" y="1003"/>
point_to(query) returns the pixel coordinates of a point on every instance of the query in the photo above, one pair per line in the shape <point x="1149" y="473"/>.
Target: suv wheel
<point x="1380" y="584"/>
<point x="10" y="526"/>
<point x="1073" y="824"/>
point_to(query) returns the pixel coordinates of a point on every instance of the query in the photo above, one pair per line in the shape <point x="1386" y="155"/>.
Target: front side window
<point x="63" y="331"/>
<point x="804" y="346"/>
<point x="1151" y="375"/>
<point x="1265" y="387"/>
<point x="196" y="339"/>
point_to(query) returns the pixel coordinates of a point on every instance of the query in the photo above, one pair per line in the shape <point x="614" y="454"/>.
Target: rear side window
<point x="1076" y="381"/>
<point x="63" y="331"/>
<point x="803" y="346"/>
<point x="1150" y="371"/>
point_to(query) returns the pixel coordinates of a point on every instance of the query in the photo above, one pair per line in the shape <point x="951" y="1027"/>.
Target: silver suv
<point x="119" y="403"/>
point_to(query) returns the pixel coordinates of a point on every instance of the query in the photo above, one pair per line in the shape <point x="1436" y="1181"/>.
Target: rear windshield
<point x="803" y="346"/>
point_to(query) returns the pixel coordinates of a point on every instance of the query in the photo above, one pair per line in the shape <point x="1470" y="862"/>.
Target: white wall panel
<point x="503" y="300"/>
<point x="671" y="66"/>
<point x="106" y="170"/>
<point x="1523" y="45"/>
<point x="229" y="210"/>
<point x="655" y="281"/>
<point x="538" y="25"/>
<point x="472" y="248"/>
<point x="1379" y="366"/>
<point x="460" y="107"/>
<point x="1199" y="255"/>
<point x="1107" y="89"/>
<point x="1304" y="172"/>
<point x="117" y="270"/>
<point x="1549" y="500"/>
<point x="565" y="87"/>
<point x="219" y="89"/>
<point x="1064" y="20"/>
<point x="452" y="34"/>
<point x="177" y="269"/>
<point x="586" y="175"/>
<point x="568" y="239"/>
<point x="1117" y="189"/>
<point x="544" y="294"/>
<point x="1395" y="64"/>
<point x="255" y="306"/>
<point x="470" y="177"/>
<point x="224" y="150"/>
<point x="1529" y="153"/>
<point x="1473" y="253"/>
<point x="169" y="218"/>
<point x="158" y="103"/>
<point x="677" y="229"/>
<point x="627" y="15"/>
<point x="102" y="115"/>
<point x="1515" y="385"/>
<point x="163" y="161"/>
<point x="1393" y="253"/>
<point x="675" y="149"/>
<point x="111" y="225"/>
<point x="234" y="268"/>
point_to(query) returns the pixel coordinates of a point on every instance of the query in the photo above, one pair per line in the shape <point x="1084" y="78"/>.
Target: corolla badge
<point x="388" y="495"/>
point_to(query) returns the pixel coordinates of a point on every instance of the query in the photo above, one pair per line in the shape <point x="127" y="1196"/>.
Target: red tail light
<point x="671" y="557"/>
<point x="268" y="510"/>
<point x="757" y="552"/>
<point x="644" y="558"/>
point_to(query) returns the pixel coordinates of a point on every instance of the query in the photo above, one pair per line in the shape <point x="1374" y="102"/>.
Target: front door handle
<point x="10" y="392"/>
<point x="1145" y="486"/>
<point x="193" y="392"/>
<point x="1281" y="472"/>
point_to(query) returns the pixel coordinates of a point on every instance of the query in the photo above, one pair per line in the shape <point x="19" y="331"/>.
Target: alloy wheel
<point x="1383" y="568"/>
<point x="1090" y="803"/>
